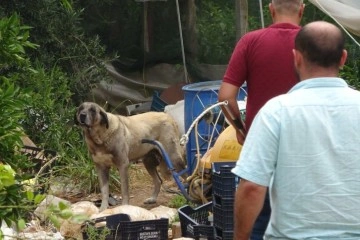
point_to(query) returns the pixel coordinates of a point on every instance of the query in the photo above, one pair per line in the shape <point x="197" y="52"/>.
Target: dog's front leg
<point x="103" y="175"/>
<point x="123" y="168"/>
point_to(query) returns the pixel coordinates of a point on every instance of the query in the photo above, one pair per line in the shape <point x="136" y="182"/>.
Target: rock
<point x="165" y="212"/>
<point x="42" y="235"/>
<point x="40" y="211"/>
<point x="135" y="213"/>
<point x="84" y="207"/>
<point x="33" y="231"/>
<point x="63" y="186"/>
<point x="72" y="229"/>
<point x="7" y="231"/>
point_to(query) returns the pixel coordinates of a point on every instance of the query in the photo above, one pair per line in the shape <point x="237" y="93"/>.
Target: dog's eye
<point x="93" y="110"/>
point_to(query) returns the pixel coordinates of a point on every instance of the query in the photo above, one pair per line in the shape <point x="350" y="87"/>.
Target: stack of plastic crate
<point x="224" y="184"/>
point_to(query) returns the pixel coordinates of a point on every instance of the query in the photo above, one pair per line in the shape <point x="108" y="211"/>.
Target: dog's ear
<point x="104" y="118"/>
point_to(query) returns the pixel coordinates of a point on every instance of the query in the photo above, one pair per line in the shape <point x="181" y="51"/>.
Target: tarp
<point x="134" y="87"/>
<point x="345" y="12"/>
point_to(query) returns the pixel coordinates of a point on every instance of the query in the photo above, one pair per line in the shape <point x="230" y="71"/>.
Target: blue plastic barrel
<point x="198" y="97"/>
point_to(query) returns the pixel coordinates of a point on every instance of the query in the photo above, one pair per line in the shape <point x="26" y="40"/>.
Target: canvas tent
<point x="344" y="12"/>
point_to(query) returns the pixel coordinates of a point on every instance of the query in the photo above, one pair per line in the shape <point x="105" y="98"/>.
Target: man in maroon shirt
<point x="263" y="58"/>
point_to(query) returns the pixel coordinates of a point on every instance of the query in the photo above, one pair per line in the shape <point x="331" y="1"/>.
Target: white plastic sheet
<point x="345" y="12"/>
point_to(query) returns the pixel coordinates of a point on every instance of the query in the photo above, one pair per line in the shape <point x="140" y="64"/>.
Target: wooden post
<point x="241" y="7"/>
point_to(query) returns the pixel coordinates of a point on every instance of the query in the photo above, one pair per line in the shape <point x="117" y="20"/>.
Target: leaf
<point x="38" y="198"/>
<point x="66" y="213"/>
<point x="21" y="224"/>
<point x="63" y="206"/>
<point x="29" y="195"/>
<point x="55" y="221"/>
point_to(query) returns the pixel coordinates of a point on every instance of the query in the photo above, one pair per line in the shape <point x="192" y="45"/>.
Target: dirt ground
<point x="140" y="188"/>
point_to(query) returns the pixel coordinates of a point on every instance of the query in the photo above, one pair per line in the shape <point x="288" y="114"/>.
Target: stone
<point x="72" y="229"/>
<point x="40" y="211"/>
<point x="165" y="212"/>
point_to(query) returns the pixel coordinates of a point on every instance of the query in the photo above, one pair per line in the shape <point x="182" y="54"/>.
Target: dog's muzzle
<point x="82" y="118"/>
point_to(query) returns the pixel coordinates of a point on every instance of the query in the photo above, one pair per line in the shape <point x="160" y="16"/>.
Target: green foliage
<point x="13" y="41"/>
<point x="7" y="176"/>
<point x="15" y="202"/>
<point x="95" y="233"/>
<point x="63" y="44"/>
<point x="57" y="213"/>
<point x="177" y="201"/>
<point x="11" y="113"/>
<point x="216" y="31"/>
<point x="65" y="67"/>
<point x="351" y="71"/>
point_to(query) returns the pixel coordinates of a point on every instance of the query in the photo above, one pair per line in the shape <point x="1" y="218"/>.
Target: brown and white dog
<point x="115" y="140"/>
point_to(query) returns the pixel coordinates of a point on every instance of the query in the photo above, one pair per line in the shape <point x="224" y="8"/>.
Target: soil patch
<point x="140" y="188"/>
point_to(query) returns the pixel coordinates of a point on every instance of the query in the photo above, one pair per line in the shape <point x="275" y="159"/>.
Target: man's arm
<point x="229" y="92"/>
<point x="249" y="200"/>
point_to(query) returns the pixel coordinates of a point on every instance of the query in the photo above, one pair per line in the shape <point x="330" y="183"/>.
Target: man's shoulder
<point x="272" y="31"/>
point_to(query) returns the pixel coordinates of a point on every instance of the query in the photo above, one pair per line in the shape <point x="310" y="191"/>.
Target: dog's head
<point x="90" y="114"/>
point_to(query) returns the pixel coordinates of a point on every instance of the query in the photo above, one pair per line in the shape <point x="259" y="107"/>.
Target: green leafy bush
<point x="66" y="65"/>
<point x="216" y="31"/>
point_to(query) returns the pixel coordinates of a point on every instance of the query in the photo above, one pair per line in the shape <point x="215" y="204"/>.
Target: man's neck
<point x="320" y="74"/>
<point x="286" y="19"/>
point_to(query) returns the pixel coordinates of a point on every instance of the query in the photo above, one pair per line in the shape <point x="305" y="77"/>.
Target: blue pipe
<point x="168" y="162"/>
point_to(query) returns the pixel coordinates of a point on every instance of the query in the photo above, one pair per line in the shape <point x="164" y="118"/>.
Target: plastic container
<point x="195" y="222"/>
<point x="198" y="97"/>
<point x="224" y="182"/>
<point x="223" y="213"/>
<point x="223" y="193"/>
<point x="121" y="228"/>
<point x="223" y="235"/>
<point x="157" y="104"/>
<point x="225" y="149"/>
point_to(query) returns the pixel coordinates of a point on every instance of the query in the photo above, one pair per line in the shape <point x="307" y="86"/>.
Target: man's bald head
<point x="321" y="43"/>
<point x="287" y="7"/>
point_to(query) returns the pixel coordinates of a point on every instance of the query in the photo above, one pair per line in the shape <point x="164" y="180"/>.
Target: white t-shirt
<point x="305" y="145"/>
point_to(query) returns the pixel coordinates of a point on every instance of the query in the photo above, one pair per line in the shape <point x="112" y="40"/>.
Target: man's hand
<point x="240" y="137"/>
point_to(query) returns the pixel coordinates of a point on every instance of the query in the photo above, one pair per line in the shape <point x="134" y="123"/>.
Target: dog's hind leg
<point x="151" y="161"/>
<point x="103" y="175"/>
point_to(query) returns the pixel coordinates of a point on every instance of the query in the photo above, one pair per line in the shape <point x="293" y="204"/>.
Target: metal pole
<point x="261" y="14"/>
<point x="182" y="41"/>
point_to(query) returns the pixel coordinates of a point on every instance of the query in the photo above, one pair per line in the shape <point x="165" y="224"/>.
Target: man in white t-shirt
<point x="304" y="146"/>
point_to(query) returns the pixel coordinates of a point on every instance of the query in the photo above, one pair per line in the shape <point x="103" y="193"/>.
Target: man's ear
<point x="272" y="11"/>
<point x="301" y="11"/>
<point x="343" y="59"/>
<point x="296" y="58"/>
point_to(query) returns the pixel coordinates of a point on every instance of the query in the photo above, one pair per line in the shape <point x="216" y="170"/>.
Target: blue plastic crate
<point x="223" y="209"/>
<point x="223" y="235"/>
<point x="157" y="104"/>
<point x="195" y="222"/>
<point x="224" y="182"/>
<point x="121" y="228"/>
